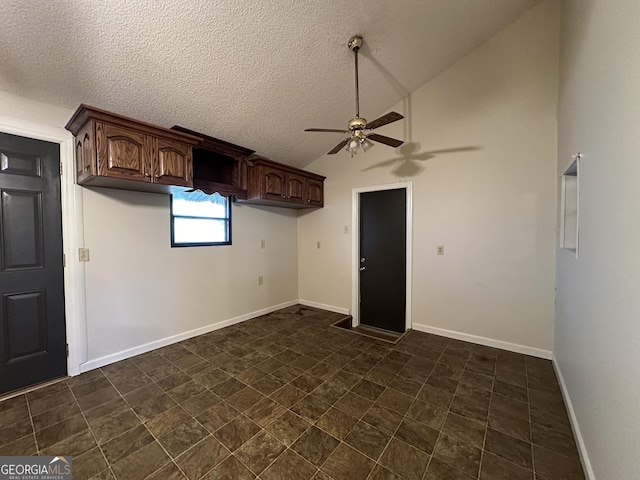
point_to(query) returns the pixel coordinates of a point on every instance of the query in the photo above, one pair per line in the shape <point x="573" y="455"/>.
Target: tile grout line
<point x="533" y="460"/>
<point x="453" y="396"/>
<point x="405" y="416"/>
<point x="318" y="468"/>
<point x="75" y="398"/>
<point x="142" y="423"/>
<point x="33" y="427"/>
<point x="171" y="457"/>
<point x="486" y="427"/>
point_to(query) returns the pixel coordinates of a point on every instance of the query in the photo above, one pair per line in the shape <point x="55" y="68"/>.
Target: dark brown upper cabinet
<point x="279" y="185"/>
<point x="219" y="166"/>
<point x="115" y="151"/>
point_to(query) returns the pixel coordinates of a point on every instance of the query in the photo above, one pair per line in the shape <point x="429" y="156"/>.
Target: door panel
<point x="85" y="152"/>
<point x="122" y="153"/>
<point x="314" y="192"/>
<point x="22" y="238"/>
<point x="383" y="259"/>
<point x="32" y="323"/>
<point x="295" y="188"/>
<point x="273" y="183"/>
<point x="20" y="164"/>
<point x="174" y="164"/>
<point x="26" y="319"/>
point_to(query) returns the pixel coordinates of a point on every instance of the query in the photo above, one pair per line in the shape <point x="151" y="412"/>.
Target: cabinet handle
<point x="308" y="200"/>
<point x="87" y="167"/>
<point x="147" y="175"/>
<point x="284" y="196"/>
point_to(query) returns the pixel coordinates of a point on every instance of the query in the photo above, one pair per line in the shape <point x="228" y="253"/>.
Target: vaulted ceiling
<point x="251" y="73"/>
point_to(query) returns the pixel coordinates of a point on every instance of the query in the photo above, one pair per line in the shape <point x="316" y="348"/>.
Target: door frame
<point x="355" y="247"/>
<point x="72" y="234"/>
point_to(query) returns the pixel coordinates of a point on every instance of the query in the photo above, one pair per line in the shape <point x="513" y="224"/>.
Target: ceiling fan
<point x="359" y="131"/>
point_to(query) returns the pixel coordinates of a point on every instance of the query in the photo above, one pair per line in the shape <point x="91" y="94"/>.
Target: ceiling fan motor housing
<point x="357" y="124"/>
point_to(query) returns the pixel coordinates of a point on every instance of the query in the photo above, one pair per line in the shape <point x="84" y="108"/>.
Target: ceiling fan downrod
<point x="354" y="44"/>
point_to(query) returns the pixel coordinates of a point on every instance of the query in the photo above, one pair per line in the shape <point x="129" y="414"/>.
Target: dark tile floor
<point x="287" y="396"/>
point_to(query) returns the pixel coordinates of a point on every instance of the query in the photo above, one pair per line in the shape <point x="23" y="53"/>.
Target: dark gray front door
<point x="32" y="321"/>
<point x="383" y="254"/>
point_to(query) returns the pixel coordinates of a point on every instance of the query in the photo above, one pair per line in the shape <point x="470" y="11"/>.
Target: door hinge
<point x="67" y="350"/>
<point x="60" y="168"/>
<point x="64" y="260"/>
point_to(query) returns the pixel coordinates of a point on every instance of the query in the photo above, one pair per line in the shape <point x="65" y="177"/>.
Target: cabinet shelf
<point x="218" y="166"/>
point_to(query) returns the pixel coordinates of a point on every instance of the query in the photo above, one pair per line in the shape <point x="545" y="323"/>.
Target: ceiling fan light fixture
<point x="356" y="142"/>
<point x="352" y="146"/>
<point x="366" y="144"/>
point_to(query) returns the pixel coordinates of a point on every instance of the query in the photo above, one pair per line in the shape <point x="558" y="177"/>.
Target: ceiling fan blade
<point x="383" y="120"/>
<point x="339" y="147"/>
<point x="325" y="130"/>
<point x="392" y="142"/>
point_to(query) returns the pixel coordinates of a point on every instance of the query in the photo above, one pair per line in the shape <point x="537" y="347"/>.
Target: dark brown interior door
<point x="32" y="323"/>
<point x="383" y="245"/>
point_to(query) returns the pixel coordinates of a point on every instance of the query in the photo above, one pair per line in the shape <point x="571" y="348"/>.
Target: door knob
<point x="363" y="268"/>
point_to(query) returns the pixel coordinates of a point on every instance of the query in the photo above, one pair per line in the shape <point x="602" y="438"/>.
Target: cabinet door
<point x="295" y="188"/>
<point x="123" y="153"/>
<point x="272" y="184"/>
<point x="173" y="165"/>
<point x="315" y="192"/>
<point x="85" y="153"/>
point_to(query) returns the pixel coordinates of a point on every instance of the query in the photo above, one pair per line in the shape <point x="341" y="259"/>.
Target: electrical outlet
<point x="263" y="244"/>
<point x="83" y="254"/>
<point x="440" y="249"/>
<point x="260" y="280"/>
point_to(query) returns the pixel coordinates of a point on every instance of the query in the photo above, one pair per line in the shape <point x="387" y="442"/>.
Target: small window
<point x="199" y="219"/>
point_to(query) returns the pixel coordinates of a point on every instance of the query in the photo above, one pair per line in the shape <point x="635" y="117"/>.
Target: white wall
<point x="138" y="289"/>
<point x="598" y="300"/>
<point x="20" y="108"/>
<point x="493" y="207"/>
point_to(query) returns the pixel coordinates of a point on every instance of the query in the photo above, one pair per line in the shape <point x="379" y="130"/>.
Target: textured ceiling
<point x="251" y="73"/>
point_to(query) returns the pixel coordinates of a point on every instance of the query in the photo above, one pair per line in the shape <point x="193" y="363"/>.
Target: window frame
<point x="200" y="244"/>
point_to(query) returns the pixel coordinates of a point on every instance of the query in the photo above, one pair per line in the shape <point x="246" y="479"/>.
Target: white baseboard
<point x="582" y="449"/>
<point x="488" y="342"/>
<point x="323" y="306"/>
<point x="163" y="342"/>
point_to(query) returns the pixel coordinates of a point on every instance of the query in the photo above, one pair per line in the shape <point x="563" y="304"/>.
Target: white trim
<point x="488" y="342"/>
<point x="72" y="233"/>
<point x="323" y="306"/>
<point x="355" y="244"/>
<point x="582" y="449"/>
<point x="163" y="342"/>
